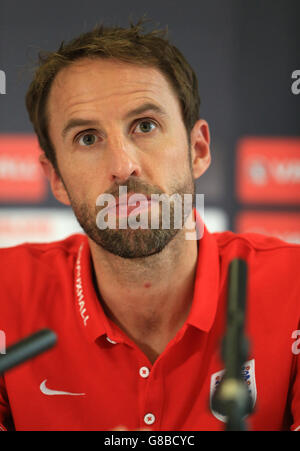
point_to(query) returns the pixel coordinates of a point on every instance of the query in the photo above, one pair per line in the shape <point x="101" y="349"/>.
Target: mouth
<point x="128" y="203"/>
<point x="132" y="199"/>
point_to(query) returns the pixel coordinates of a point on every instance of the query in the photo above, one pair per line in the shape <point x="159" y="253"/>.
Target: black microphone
<point x="27" y="349"/>
<point x="232" y="398"/>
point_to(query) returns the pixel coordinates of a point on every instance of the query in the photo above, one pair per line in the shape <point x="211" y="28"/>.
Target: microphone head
<point x="27" y="348"/>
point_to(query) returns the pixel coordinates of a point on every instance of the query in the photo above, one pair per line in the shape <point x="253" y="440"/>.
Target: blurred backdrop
<point x="247" y="58"/>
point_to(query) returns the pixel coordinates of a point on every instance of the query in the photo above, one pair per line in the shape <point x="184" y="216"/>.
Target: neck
<point x="148" y="298"/>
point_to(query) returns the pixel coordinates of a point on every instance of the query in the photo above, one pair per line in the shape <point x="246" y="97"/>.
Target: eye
<point x="145" y="126"/>
<point x="87" y="139"/>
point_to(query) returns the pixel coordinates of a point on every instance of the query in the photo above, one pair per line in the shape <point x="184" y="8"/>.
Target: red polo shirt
<point x="96" y="378"/>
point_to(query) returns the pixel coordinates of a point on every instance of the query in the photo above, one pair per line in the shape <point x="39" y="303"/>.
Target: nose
<point x="122" y="159"/>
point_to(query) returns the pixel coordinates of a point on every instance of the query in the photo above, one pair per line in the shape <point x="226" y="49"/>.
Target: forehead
<point x="104" y="83"/>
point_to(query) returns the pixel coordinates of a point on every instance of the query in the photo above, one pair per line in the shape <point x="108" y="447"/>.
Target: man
<point x="139" y="311"/>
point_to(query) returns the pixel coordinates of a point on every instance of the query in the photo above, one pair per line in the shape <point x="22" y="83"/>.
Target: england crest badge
<point x="248" y="372"/>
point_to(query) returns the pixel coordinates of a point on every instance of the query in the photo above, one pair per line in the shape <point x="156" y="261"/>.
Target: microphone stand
<point x="232" y="398"/>
<point x="27" y="348"/>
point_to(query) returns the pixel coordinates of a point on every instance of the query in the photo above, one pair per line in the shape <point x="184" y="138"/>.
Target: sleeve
<point x="295" y="392"/>
<point x="5" y="415"/>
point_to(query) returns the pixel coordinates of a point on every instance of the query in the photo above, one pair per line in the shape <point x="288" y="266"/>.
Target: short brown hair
<point x="131" y="45"/>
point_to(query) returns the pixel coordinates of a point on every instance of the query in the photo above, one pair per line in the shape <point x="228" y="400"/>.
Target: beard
<point x="138" y="242"/>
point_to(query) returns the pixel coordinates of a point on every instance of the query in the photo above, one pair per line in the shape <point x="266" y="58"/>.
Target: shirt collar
<point x="88" y="307"/>
<point x="206" y="288"/>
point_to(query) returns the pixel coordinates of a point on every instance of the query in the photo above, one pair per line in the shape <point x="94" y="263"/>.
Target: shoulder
<point x="69" y="244"/>
<point x="36" y="284"/>
<point x="28" y="255"/>
<point x="273" y="272"/>
<point x="269" y="260"/>
<point x="257" y="243"/>
<point x="35" y="272"/>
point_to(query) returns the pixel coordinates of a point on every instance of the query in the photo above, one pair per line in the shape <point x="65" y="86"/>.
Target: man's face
<point x="114" y="124"/>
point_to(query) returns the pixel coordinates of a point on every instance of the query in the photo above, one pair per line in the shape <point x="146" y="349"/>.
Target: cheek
<point x="83" y="176"/>
<point x="80" y="186"/>
<point x="177" y="163"/>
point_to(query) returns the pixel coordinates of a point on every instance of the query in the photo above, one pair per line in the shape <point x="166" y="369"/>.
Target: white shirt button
<point x="144" y="372"/>
<point x="111" y="341"/>
<point x="149" y="418"/>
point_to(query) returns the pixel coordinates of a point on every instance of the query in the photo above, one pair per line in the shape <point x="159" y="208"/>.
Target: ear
<point x="56" y="183"/>
<point x="200" y="148"/>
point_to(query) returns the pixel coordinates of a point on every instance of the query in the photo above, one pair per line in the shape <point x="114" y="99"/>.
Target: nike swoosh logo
<point x="47" y="391"/>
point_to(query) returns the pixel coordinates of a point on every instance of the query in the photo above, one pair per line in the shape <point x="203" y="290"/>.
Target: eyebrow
<point x="146" y="107"/>
<point x="78" y="122"/>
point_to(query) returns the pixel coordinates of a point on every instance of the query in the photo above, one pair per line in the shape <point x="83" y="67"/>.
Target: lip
<point x="123" y="208"/>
